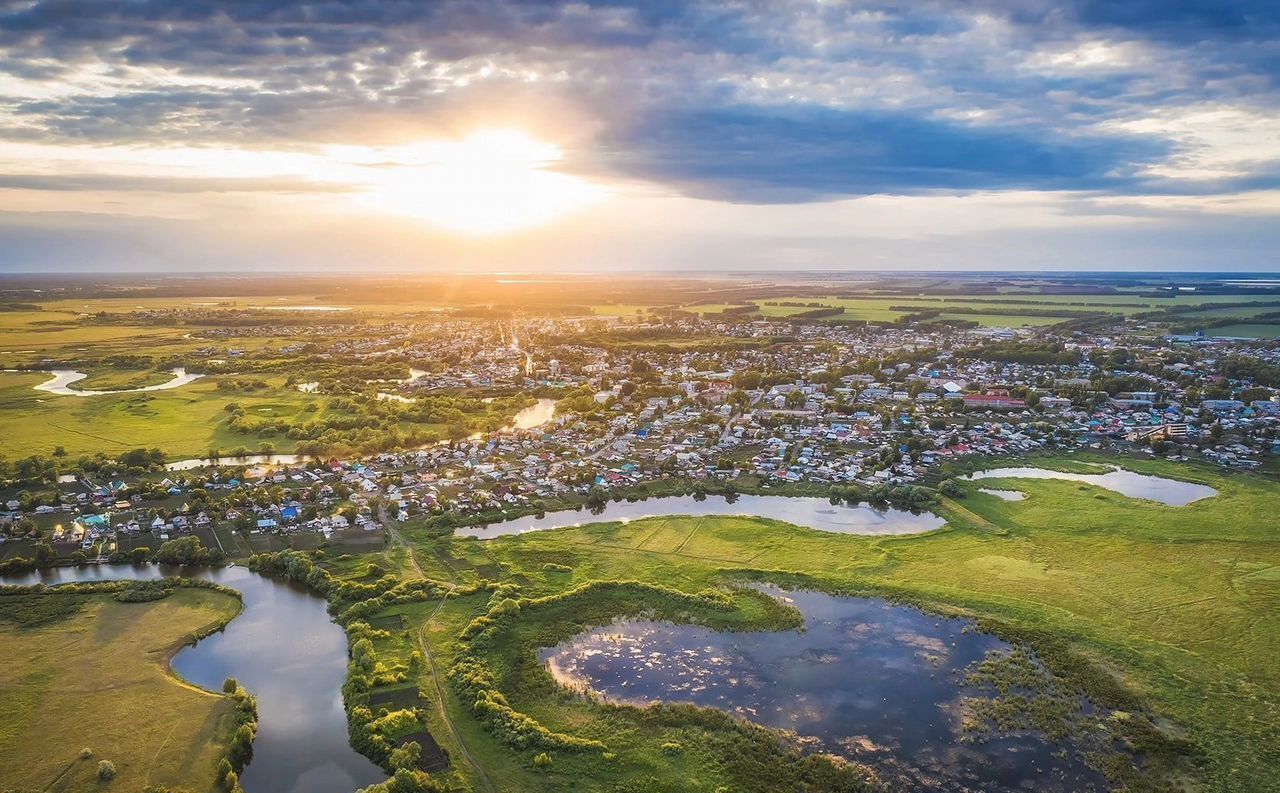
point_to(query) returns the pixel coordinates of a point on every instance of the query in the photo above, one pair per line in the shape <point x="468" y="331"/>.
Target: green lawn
<point x="98" y="678"/>
<point x="1181" y="605"/>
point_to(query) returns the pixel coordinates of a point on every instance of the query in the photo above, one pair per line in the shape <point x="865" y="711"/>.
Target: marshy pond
<point x="815" y="513"/>
<point x="287" y="652"/>
<point x="875" y="682"/>
<point x="1170" y="492"/>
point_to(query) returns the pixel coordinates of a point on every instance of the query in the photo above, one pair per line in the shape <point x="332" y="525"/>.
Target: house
<point x="993" y="401"/>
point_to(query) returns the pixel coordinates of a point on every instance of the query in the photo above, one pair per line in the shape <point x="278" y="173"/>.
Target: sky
<point x="519" y="135"/>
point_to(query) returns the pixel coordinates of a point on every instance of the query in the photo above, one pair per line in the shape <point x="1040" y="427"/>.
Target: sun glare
<point x="491" y="182"/>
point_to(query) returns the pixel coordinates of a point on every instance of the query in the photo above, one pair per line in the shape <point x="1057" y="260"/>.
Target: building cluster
<point x="696" y="399"/>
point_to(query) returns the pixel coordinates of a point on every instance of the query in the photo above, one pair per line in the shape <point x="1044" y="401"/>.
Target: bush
<point x="542" y="760"/>
<point x="187" y="551"/>
<point x="951" y="489"/>
<point x="106" y="770"/>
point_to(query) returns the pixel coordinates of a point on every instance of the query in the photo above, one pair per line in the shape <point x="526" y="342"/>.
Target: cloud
<point x="740" y="153"/>
<point x="164" y="184"/>
<point x="763" y="102"/>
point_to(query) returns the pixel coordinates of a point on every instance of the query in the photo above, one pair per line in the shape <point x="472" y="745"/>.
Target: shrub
<point x="106" y="770"/>
<point x="542" y="760"/>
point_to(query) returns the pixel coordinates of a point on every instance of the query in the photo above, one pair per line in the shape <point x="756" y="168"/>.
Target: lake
<point x="815" y="513"/>
<point x="1171" y="492"/>
<point x="287" y="652"/>
<point x="865" y="679"/>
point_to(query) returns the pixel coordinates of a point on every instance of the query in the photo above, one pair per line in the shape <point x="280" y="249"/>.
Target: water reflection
<point x="1172" y="492"/>
<point x="1004" y="495"/>
<point x="62" y="380"/>
<point x="287" y="652"/>
<point x="815" y="513"/>
<point x="865" y="679"/>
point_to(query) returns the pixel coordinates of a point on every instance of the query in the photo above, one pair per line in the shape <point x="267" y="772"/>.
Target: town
<point x="621" y="407"/>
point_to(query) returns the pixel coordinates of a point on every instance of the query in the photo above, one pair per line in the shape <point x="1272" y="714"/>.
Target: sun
<point x="493" y="181"/>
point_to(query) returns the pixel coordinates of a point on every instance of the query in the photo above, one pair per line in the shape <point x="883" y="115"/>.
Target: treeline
<point x="1244" y="367"/>
<point x="1023" y="352"/>
<point x="240" y="749"/>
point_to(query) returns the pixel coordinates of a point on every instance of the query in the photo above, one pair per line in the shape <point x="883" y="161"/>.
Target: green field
<point x="1001" y="314"/>
<point x="1246" y="330"/>
<point x="1178" y="606"/>
<point x="184" y="422"/>
<point x="94" y="674"/>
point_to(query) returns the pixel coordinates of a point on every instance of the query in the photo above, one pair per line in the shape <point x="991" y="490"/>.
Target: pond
<point x="62" y="380"/>
<point x="878" y="683"/>
<point x="815" y="513"/>
<point x="1004" y="495"/>
<point x="1171" y="492"/>
<point x="287" y="652"/>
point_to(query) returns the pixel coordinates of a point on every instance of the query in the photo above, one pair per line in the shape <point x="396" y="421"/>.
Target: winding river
<point x="1170" y="492"/>
<point x="62" y="380"/>
<point x="814" y="513"/>
<point x="287" y="652"/>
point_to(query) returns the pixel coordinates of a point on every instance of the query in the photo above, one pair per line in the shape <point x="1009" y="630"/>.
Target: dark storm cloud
<point x="748" y="154"/>
<point x="753" y="101"/>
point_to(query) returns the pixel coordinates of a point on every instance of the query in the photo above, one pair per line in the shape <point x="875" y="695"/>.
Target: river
<point x="814" y="513"/>
<point x="62" y="380"/>
<point x="1171" y="492"/>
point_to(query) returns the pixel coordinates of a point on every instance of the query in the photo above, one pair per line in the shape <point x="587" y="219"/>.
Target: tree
<point x="187" y="551"/>
<point x="406" y="755"/>
<point x="45" y="555"/>
<point x="951" y="489"/>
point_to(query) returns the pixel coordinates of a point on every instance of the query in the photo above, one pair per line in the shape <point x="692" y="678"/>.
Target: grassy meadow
<point x="1177" y="607"/>
<point x="184" y="422"/>
<point x="92" y="672"/>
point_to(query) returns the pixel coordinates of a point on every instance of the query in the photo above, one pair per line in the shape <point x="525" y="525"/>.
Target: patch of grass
<point x="100" y="679"/>
<point x="32" y="611"/>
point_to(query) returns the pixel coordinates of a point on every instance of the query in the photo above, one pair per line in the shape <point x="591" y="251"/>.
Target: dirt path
<point x="424" y="642"/>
